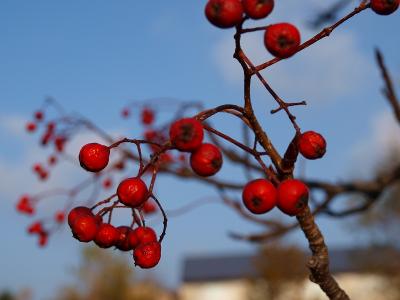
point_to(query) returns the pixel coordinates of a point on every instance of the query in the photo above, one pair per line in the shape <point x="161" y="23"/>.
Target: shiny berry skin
<point x="106" y="236"/>
<point x="206" y="160"/>
<point x="224" y="13"/>
<point x="122" y="242"/>
<point x="258" y="9"/>
<point x="384" y="7"/>
<point x="77" y="212"/>
<point x="292" y="196"/>
<point x="85" y="227"/>
<point x="186" y="134"/>
<point x="259" y="196"/>
<point x="94" y="157"/>
<point x="282" y="40"/>
<point x="147" y="255"/>
<point x="312" y="145"/>
<point x="30" y="127"/>
<point x="132" y="192"/>
<point x="141" y="235"/>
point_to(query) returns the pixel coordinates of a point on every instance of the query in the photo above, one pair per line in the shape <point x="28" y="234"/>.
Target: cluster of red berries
<point x="283" y="39"/>
<point x="36" y="228"/>
<point x="291" y="196"/>
<point x="87" y="227"/>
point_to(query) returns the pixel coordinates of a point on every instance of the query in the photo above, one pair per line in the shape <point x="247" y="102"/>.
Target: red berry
<point x="147" y="255"/>
<point x="125" y="113"/>
<point x="24" y="205"/>
<point x="132" y="192"/>
<point x="39" y="115"/>
<point x="224" y="13"/>
<point x="186" y="134"/>
<point x="141" y="235"/>
<point x="107" y="183"/>
<point x="59" y="216"/>
<point x="206" y="160"/>
<point x="30" y="127"/>
<point x="52" y="160"/>
<point x="77" y="212"/>
<point x="147" y="116"/>
<point x="258" y="9"/>
<point x="122" y="242"/>
<point x="85" y="227"/>
<point x="282" y="40"/>
<point x="106" y="235"/>
<point x="292" y="196"/>
<point x="259" y="196"/>
<point x="43" y="239"/>
<point x="312" y="145"/>
<point x="149" y="207"/>
<point x="94" y="157"/>
<point x="384" y="7"/>
<point x="35" y="227"/>
<point x="59" y="143"/>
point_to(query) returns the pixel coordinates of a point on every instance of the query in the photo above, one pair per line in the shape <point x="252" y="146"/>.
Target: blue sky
<point x="95" y="56"/>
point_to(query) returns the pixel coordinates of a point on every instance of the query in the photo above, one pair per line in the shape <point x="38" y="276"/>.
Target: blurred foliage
<point x="105" y="276"/>
<point x="6" y="296"/>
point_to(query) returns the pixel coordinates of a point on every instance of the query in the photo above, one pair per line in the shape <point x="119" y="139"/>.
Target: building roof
<point x="229" y="267"/>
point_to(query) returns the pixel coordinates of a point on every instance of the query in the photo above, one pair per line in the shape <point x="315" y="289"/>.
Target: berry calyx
<point x="258" y="9"/>
<point x="85" y="227"/>
<point x="206" y="160"/>
<point x="224" y="13"/>
<point x="384" y="7"/>
<point x="78" y="212"/>
<point x="259" y="196"/>
<point x="106" y="235"/>
<point x="147" y="255"/>
<point x="292" y="196"/>
<point x="132" y="192"/>
<point x="141" y="235"/>
<point x="94" y="157"/>
<point x="122" y="242"/>
<point x="312" y="145"/>
<point x="186" y="134"/>
<point x="282" y="40"/>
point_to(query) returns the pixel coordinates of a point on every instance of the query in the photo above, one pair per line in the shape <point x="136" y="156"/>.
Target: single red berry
<point x="77" y="212"/>
<point x="125" y="113"/>
<point x="35" y="228"/>
<point x="39" y="115"/>
<point x="30" y="127"/>
<point x="43" y="175"/>
<point x="52" y="160"/>
<point x="384" y="7"/>
<point x="106" y="236"/>
<point x="94" y="157"/>
<point x="312" y="145"/>
<point x="259" y="196"/>
<point x="149" y="207"/>
<point x="59" y="216"/>
<point x="258" y="9"/>
<point x="51" y="126"/>
<point x="147" y="116"/>
<point x="186" y="134"/>
<point x="141" y="235"/>
<point x="107" y="183"/>
<point x="206" y="160"/>
<point x="122" y="242"/>
<point x="85" y="227"/>
<point x="147" y="255"/>
<point x="43" y="239"/>
<point x="292" y="196"/>
<point x="132" y="192"/>
<point x="224" y="13"/>
<point x="59" y="143"/>
<point x="282" y="40"/>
